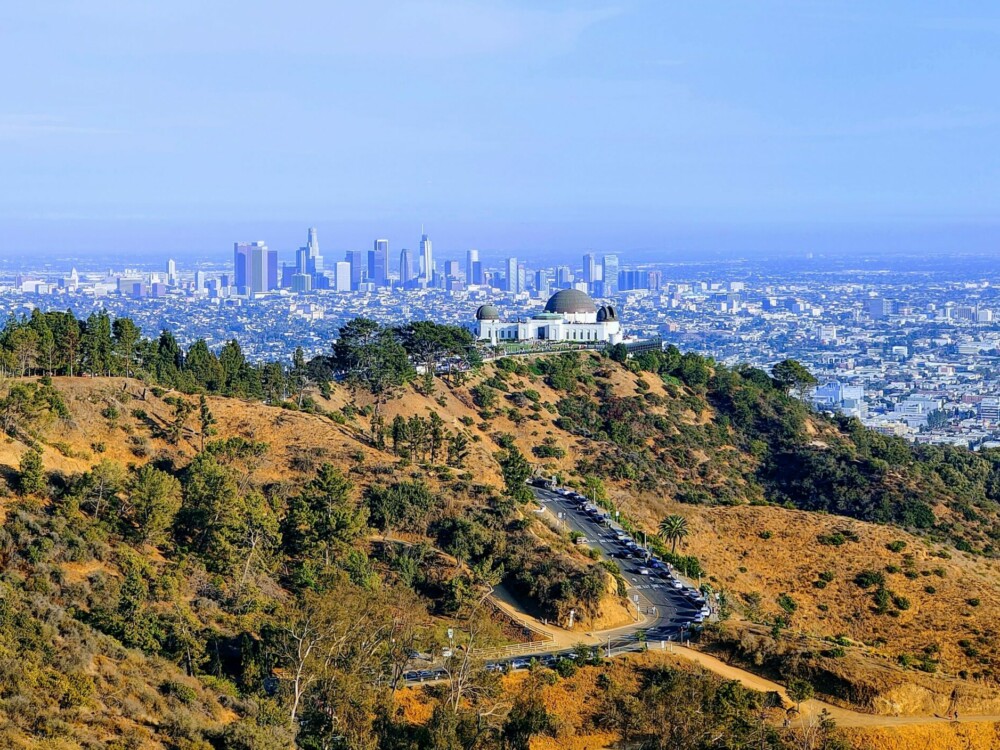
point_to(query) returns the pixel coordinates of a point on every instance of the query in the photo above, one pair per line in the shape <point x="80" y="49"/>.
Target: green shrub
<point x="787" y="603"/>
<point x="868" y="578"/>
<point x="897" y="546"/>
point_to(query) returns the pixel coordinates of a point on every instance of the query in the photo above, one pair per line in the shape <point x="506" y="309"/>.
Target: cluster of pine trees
<point x="372" y="356"/>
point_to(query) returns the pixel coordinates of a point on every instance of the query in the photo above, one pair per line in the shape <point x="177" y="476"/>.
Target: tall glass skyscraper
<point x="512" y="276"/>
<point x="610" y="264"/>
<point x="471" y="259"/>
<point x="427" y="257"/>
<point x="380" y="265"/>
<point x="405" y="266"/>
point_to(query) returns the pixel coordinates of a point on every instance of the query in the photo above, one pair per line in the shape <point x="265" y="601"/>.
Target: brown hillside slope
<point x="955" y="634"/>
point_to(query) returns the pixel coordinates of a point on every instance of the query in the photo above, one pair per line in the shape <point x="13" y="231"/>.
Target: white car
<point x="643" y="571"/>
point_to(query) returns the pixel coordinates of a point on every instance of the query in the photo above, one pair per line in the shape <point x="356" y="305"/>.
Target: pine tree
<point x="32" y="472"/>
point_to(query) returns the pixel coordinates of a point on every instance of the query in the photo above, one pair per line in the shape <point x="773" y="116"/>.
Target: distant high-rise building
<point x="542" y="283"/>
<point x="312" y="243"/>
<point x="405" y="266"/>
<point x="256" y="267"/>
<point x="171" y="272"/>
<point x="522" y="277"/>
<point x="880" y="307"/>
<point x="451" y="269"/>
<point x="199" y="280"/>
<point x="589" y="268"/>
<point x="342" y="276"/>
<point x="564" y="277"/>
<point x="314" y="261"/>
<point x="359" y="264"/>
<point x="471" y="259"/>
<point x="301" y="282"/>
<point x="380" y="265"/>
<point x="610" y="276"/>
<point x="477" y="273"/>
<point x="263" y="269"/>
<point x="427" y="258"/>
<point x="241" y="267"/>
<point x="512" y="276"/>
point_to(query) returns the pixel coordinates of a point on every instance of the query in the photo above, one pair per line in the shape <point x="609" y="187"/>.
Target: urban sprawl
<point x="909" y="351"/>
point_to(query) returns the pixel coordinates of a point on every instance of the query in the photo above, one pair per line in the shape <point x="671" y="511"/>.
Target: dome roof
<point x="487" y="312"/>
<point x="570" y="301"/>
<point x="607" y="314"/>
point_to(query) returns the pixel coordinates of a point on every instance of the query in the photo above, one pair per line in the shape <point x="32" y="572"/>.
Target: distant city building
<point x="314" y="261"/>
<point x="879" y="308"/>
<point x="171" y="272"/>
<point x="427" y="258"/>
<point x="359" y="265"/>
<point x="610" y="274"/>
<point x="342" y="276"/>
<point x="589" y="269"/>
<point x="836" y="396"/>
<point x="256" y="268"/>
<point x="406" y="274"/>
<point x="378" y="265"/>
<point x="569" y="316"/>
<point x="564" y="277"/>
<point x="512" y="276"/>
<point x="473" y="270"/>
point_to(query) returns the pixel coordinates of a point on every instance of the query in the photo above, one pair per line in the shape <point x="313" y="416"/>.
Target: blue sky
<point x="523" y="126"/>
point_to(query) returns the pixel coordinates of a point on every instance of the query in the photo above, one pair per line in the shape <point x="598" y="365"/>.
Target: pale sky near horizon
<point x="499" y="123"/>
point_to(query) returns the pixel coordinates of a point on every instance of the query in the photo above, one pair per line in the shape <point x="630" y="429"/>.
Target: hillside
<point x="178" y="576"/>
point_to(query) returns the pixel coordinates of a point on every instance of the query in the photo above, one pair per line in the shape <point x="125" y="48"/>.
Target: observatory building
<point x="569" y="316"/>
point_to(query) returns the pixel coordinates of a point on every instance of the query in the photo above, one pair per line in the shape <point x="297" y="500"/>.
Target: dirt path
<point x="810" y="709"/>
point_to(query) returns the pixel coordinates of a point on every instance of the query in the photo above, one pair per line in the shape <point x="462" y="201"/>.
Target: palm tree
<point x="673" y="529"/>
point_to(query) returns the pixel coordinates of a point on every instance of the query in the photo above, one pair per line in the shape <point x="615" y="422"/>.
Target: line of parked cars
<point x="649" y="564"/>
<point x="425" y="675"/>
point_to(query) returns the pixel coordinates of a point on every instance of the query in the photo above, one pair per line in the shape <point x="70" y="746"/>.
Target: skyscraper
<point x="171" y="272"/>
<point x="342" y="276"/>
<point x="245" y="255"/>
<point x="471" y="259"/>
<point x="256" y="268"/>
<point x="359" y="263"/>
<point x="589" y="268"/>
<point x="542" y="283"/>
<point x="610" y="263"/>
<point x="428" y="258"/>
<point x="405" y="266"/>
<point x="380" y="266"/>
<point x="312" y="243"/>
<point x="512" y="276"/>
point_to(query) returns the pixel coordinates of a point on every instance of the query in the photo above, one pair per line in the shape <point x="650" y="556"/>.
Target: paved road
<point x="662" y="612"/>
<point x="665" y="611"/>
